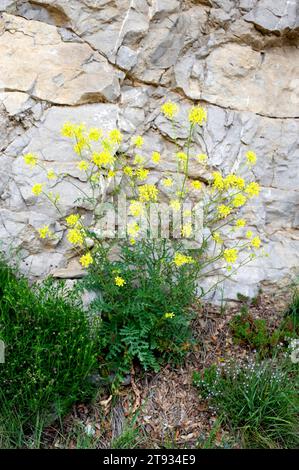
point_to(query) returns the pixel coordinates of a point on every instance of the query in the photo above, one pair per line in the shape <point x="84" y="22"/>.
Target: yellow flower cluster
<point x="75" y="236"/>
<point x="239" y="200"/>
<point x="217" y="238"/>
<point x="167" y="182"/>
<point x="103" y="158"/>
<point x="30" y="159"/>
<point x="230" y="255"/>
<point x="175" y="205"/>
<point x="156" y="157"/>
<point x="187" y="230"/>
<point x="133" y="229"/>
<point x="138" y="141"/>
<point x="180" y="259"/>
<point x="136" y="208"/>
<point x="72" y="219"/>
<point x="83" y="165"/>
<point x="252" y="189"/>
<point x="169" y="109"/>
<point x="240" y="223"/>
<point x="119" y="281"/>
<point x="202" y="157"/>
<point x="197" y="115"/>
<point x="251" y="157"/>
<point x="36" y="189"/>
<point x="148" y="193"/>
<point x="169" y="315"/>
<point x="115" y="136"/>
<point x="86" y="260"/>
<point x="45" y="232"/>
<point x="223" y="210"/>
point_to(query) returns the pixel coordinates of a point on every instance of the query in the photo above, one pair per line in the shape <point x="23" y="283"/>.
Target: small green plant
<point x="250" y="331"/>
<point x="50" y="350"/>
<point x="255" y="333"/>
<point x="258" y="399"/>
<point x="292" y="313"/>
<point x="143" y="304"/>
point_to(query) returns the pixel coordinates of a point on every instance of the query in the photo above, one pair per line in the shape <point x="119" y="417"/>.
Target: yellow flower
<point x="102" y="158"/>
<point x="115" y="136"/>
<point x="251" y="157"/>
<point x="136" y="208"/>
<point x="187" y="230"/>
<point x="239" y="200"/>
<point x="148" y="193"/>
<point x="197" y="115"/>
<point x="51" y="174"/>
<point x="83" y="165"/>
<point x="169" y="315"/>
<point x="138" y="141"/>
<point x="80" y="145"/>
<point x="79" y="131"/>
<point x="218" y="180"/>
<point x="202" y="157"/>
<point x="72" y="219"/>
<point x="256" y="242"/>
<point x="86" y="260"/>
<point x="111" y="174"/>
<point x="132" y="241"/>
<point x="75" y="237"/>
<point x="181" y="259"/>
<point x="37" y="189"/>
<point x="128" y="171"/>
<point x="156" y="157"/>
<point x="240" y="183"/>
<point x="249" y="234"/>
<point x="139" y="160"/>
<point x="68" y="130"/>
<point x="217" y="238"/>
<point x="44" y="231"/>
<point x="233" y="181"/>
<point x="142" y="174"/>
<point x="30" y="159"/>
<point x="169" y="109"/>
<point x="175" y="204"/>
<point x="252" y="189"/>
<point x="196" y="185"/>
<point x="182" y="156"/>
<point x="95" y="134"/>
<point x="133" y="228"/>
<point x="167" y="182"/>
<point x="119" y="281"/>
<point x="240" y="223"/>
<point x="230" y="255"/>
<point x="223" y="210"/>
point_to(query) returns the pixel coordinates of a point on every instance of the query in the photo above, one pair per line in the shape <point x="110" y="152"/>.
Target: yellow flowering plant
<point x="159" y="274"/>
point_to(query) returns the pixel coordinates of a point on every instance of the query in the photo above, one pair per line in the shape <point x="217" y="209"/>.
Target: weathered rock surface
<point x="113" y="63"/>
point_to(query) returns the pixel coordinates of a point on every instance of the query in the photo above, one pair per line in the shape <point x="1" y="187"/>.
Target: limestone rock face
<point x="37" y="61"/>
<point x="113" y="63"/>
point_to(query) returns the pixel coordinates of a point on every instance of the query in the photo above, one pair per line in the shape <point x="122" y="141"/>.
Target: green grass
<point x="50" y="352"/>
<point x="259" y="401"/>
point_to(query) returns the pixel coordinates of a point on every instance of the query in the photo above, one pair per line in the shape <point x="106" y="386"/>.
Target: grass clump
<point x="50" y="352"/>
<point x="258" y="400"/>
